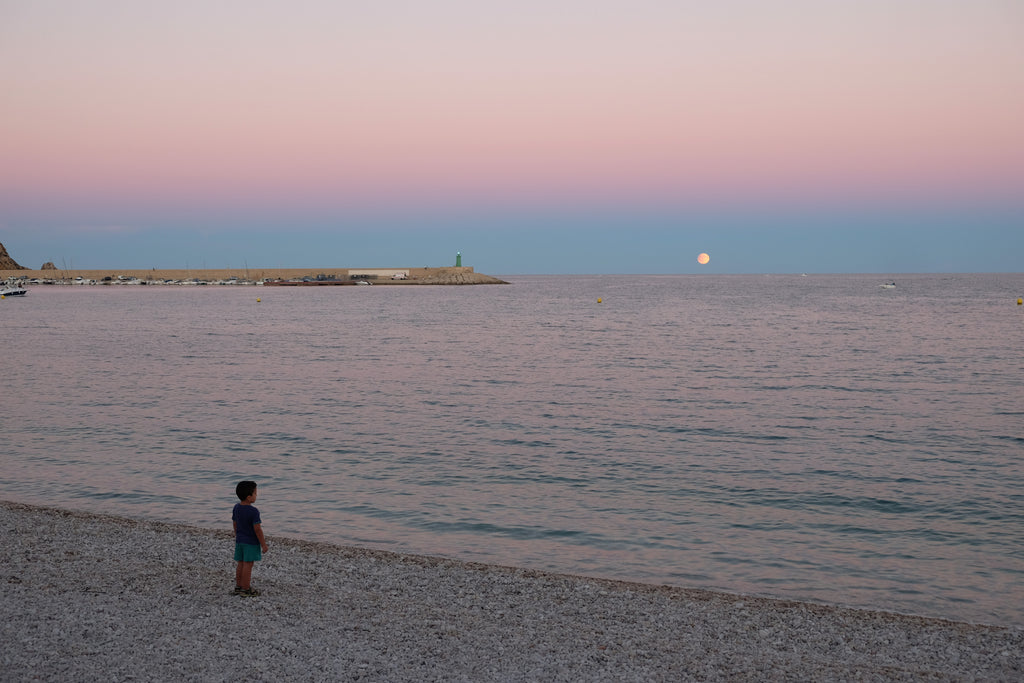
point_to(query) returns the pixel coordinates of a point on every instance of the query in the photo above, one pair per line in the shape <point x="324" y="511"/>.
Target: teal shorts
<point x="246" y="552"/>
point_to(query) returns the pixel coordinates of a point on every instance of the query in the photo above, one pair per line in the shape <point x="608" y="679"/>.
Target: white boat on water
<point x="888" y="285"/>
<point x="13" y="290"/>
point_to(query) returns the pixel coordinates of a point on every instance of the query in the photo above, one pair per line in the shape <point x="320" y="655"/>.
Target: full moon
<point x="703" y="259"/>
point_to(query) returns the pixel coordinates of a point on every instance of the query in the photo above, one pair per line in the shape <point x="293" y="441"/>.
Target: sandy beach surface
<point x="95" y="598"/>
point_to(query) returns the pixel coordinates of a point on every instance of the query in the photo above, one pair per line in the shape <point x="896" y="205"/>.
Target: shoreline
<point x="441" y="275"/>
<point x="88" y="596"/>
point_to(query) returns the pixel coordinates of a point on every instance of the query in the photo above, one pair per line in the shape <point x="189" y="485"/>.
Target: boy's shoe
<point x="238" y="590"/>
<point x="249" y="592"/>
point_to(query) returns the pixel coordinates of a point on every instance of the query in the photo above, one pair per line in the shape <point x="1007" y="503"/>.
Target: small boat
<point x="13" y="290"/>
<point x="888" y="285"/>
<point x="306" y="283"/>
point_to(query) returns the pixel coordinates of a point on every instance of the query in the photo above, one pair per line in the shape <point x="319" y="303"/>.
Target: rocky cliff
<point x="6" y="262"/>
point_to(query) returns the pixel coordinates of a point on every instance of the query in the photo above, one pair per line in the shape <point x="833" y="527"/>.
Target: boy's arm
<point x="259" y="534"/>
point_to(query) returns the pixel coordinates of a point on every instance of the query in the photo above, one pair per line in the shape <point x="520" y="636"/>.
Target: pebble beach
<point x="88" y="597"/>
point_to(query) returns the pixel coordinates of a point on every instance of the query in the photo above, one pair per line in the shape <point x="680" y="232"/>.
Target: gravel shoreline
<point x="90" y="597"/>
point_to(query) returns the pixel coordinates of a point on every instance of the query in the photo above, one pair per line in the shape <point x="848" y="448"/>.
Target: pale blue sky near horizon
<point x="554" y="242"/>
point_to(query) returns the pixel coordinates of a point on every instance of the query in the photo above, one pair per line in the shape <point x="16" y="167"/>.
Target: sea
<point x="806" y="437"/>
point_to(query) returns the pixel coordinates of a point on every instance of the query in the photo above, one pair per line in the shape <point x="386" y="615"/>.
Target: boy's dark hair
<point x="244" y="489"/>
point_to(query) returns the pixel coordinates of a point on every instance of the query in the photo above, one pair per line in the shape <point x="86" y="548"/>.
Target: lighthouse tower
<point x="458" y="259"/>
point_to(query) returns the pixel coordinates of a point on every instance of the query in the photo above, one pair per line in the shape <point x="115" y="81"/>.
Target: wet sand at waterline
<point x="95" y="597"/>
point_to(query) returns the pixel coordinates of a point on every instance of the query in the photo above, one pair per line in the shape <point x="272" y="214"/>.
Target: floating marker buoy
<point x="1020" y="301"/>
<point x="258" y="299"/>
<point x="598" y="299"/>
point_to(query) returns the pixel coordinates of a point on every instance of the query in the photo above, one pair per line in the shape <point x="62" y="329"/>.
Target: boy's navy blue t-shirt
<point x="246" y="516"/>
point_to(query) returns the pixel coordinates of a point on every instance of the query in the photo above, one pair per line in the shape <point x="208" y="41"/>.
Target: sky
<point x="563" y="136"/>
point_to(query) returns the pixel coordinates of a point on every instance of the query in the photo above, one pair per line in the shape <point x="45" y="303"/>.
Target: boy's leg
<point x="245" y="574"/>
<point x="238" y="573"/>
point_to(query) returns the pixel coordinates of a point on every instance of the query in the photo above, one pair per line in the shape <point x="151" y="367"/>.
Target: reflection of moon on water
<point x="703" y="259"/>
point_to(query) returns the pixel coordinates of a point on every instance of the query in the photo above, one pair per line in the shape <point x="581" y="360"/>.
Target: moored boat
<point x="307" y="283"/>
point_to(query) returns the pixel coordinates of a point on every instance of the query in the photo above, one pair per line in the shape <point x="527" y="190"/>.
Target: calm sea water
<point x="814" y="438"/>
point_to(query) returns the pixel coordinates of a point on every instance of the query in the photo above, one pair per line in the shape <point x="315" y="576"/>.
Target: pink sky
<point x="665" y="101"/>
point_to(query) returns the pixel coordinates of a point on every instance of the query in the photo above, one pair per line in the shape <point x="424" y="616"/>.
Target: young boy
<point x="249" y="539"/>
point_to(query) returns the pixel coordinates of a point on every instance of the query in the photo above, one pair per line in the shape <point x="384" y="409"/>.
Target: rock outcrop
<point x="6" y="262"/>
<point x="48" y="266"/>
<point x="456" y="276"/>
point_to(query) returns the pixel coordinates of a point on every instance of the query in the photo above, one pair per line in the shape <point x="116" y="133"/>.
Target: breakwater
<point x="445" y="275"/>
